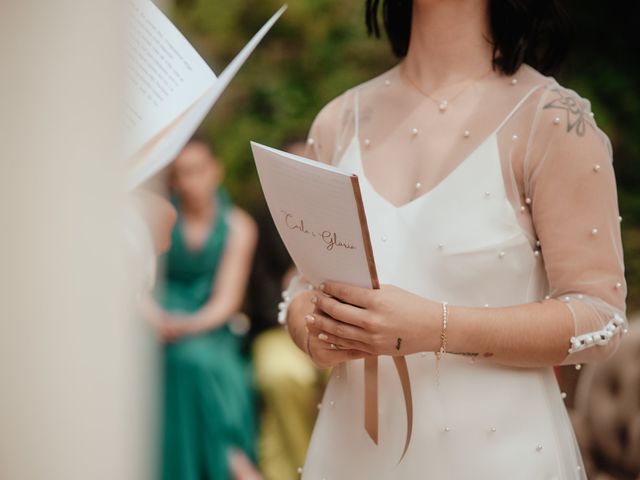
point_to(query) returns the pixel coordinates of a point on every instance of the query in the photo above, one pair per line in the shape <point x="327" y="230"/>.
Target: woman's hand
<point x="306" y="336"/>
<point x="387" y="321"/>
<point x="324" y="355"/>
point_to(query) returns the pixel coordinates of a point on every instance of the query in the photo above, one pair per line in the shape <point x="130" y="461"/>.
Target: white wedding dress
<point x="462" y="242"/>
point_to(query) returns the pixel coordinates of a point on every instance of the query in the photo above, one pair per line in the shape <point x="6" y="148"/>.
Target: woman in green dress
<point x="208" y="415"/>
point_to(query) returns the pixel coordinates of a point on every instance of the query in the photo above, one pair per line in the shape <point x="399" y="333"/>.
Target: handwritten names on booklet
<point x="330" y="238"/>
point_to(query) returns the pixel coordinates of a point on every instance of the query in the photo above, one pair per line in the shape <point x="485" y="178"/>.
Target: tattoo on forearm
<point x="577" y="116"/>
<point x="398" y="342"/>
<point x="473" y="354"/>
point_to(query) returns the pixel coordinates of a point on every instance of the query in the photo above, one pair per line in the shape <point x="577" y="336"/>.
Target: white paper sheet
<point x="160" y="149"/>
<point x="314" y="207"/>
<point x="165" y="74"/>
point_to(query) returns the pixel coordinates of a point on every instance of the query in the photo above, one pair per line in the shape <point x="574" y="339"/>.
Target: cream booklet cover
<point x="319" y="214"/>
<point x="170" y="88"/>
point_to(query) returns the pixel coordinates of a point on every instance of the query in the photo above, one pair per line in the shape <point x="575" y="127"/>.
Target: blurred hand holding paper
<point x="318" y="212"/>
<point x="170" y="88"/>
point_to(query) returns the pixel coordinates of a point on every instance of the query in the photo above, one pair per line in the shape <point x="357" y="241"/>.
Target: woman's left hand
<point x="389" y="320"/>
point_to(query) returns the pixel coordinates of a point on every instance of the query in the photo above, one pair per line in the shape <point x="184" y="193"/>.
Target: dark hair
<point x="533" y="31"/>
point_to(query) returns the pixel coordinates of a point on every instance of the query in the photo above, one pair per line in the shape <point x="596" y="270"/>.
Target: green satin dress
<point x="208" y="398"/>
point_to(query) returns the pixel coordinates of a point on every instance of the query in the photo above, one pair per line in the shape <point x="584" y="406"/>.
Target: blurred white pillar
<point x="74" y="383"/>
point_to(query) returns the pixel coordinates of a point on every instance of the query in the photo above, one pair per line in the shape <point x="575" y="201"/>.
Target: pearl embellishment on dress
<point x="522" y="208"/>
<point x="599" y="337"/>
<point x="514" y="81"/>
<point x="319" y="406"/>
<point x="501" y="254"/>
<point x="527" y="201"/>
<point x="466" y="133"/>
<point x="487" y="194"/>
<point x="387" y="82"/>
<point x="414" y="131"/>
<point x="493" y="429"/>
<point x="618" y="285"/>
<point x="556" y="120"/>
<point x="367" y="142"/>
<point x="418" y="184"/>
<point x="443" y="105"/>
<point x="594" y="231"/>
<point x="383" y="238"/>
<point x="299" y="469"/>
<point x="440" y="246"/>
<point x="578" y="366"/>
<point x="563" y="395"/>
<point x="596" y="168"/>
<point x="311" y="141"/>
<point x="447" y="429"/>
<point x="538" y="447"/>
<point x="514" y="137"/>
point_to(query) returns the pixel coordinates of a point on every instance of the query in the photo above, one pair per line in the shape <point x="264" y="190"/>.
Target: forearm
<point x="215" y="313"/>
<point x="529" y="335"/>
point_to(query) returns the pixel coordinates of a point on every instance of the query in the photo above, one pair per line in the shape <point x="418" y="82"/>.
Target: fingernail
<point x="323" y="337"/>
<point x="322" y="286"/>
<point x="314" y="299"/>
<point x="309" y="318"/>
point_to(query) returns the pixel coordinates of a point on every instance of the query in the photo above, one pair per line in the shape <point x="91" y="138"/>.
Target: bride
<point x="492" y="208"/>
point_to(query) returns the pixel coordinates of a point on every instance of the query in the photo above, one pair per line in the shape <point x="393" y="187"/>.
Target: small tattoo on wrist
<point x="398" y="342"/>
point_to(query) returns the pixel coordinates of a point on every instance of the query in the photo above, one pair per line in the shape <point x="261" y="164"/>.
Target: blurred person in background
<point x="289" y="384"/>
<point x="208" y="418"/>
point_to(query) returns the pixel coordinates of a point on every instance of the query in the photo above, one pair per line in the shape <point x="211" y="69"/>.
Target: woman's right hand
<point x="306" y="336"/>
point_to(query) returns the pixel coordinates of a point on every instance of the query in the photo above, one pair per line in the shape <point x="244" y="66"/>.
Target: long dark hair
<point x="537" y="32"/>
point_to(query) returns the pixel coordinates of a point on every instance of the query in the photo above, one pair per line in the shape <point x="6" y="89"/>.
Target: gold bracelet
<point x="443" y="341"/>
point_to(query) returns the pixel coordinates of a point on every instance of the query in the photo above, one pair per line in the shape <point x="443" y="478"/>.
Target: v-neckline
<point x="355" y="143"/>
<point x="492" y="136"/>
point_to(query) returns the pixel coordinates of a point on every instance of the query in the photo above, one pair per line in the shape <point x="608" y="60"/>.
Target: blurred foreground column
<point x="75" y="370"/>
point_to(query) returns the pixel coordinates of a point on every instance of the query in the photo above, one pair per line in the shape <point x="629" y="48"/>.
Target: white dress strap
<point x="356" y="113"/>
<point x="518" y="105"/>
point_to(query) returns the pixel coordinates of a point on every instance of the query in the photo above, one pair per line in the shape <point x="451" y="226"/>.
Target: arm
<point x="232" y="275"/>
<point x="569" y="179"/>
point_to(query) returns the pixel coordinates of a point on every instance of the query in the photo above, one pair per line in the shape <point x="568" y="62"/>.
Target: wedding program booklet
<point x="319" y="214"/>
<point x="170" y="88"/>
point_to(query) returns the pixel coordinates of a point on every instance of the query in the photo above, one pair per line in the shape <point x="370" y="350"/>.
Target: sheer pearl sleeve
<point x="569" y="184"/>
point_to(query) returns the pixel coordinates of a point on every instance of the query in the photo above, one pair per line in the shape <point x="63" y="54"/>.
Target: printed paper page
<point x="165" y="74"/>
<point x="167" y="146"/>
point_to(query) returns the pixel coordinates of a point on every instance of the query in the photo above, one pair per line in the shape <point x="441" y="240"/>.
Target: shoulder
<point x="344" y="103"/>
<point x="336" y="119"/>
<point x="560" y="115"/>
<point x="242" y="223"/>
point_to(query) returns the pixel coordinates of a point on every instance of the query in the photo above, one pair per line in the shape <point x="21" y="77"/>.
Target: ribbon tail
<point x="403" y="373"/>
<point x="371" y="397"/>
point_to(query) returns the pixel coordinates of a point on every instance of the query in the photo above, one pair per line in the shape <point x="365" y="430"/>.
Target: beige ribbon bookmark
<point x="371" y="398"/>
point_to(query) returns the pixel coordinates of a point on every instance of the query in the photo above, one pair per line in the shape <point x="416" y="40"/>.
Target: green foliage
<point x="319" y="48"/>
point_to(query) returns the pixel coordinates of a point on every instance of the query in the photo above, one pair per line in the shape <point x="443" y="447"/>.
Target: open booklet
<point x="318" y="211"/>
<point x="170" y="88"/>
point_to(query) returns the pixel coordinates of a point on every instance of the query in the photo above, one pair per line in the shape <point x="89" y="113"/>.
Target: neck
<point x="200" y="209"/>
<point x="449" y="42"/>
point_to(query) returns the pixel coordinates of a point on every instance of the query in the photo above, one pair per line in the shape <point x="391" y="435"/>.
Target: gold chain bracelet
<point x="443" y="341"/>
